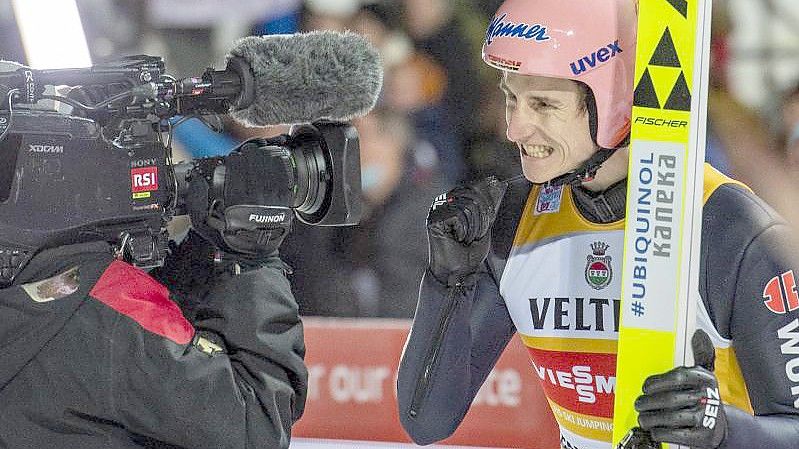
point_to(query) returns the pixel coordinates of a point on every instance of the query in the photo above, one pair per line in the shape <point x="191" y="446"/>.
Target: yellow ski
<point x="664" y="197"/>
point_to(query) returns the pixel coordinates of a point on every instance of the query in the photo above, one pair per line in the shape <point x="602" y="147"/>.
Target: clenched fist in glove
<point x="683" y="406"/>
<point x="458" y="228"/>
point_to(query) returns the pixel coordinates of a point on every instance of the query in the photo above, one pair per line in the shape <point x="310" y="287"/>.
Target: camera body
<point x="104" y="171"/>
<point x="61" y="182"/>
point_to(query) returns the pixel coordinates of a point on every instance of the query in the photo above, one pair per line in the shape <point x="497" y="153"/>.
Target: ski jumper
<point x="553" y="278"/>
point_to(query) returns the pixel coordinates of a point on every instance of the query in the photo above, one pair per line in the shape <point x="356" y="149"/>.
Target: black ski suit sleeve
<point x="456" y="338"/>
<point x="749" y="246"/>
<point x="245" y="397"/>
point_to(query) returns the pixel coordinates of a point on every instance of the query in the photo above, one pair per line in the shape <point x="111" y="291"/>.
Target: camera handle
<point x="142" y="248"/>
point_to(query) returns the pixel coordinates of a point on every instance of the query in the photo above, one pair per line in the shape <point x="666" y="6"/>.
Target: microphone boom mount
<point x="138" y="85"/>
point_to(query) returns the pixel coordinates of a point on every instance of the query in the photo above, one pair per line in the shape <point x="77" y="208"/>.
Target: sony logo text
<point x="142" y="163"/>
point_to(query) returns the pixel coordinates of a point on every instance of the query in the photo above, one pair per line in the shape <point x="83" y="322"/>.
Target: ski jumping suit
<point x="95" y="354"/>
<point x="553" y="278"/>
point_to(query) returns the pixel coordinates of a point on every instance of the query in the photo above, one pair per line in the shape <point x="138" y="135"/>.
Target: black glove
<point x="458" y="227"/>
<point x="683" y="406"/>
<point x="238" y="218"/>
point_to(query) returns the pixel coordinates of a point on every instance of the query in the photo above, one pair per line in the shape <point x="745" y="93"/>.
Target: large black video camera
<point x="104" y="169"/>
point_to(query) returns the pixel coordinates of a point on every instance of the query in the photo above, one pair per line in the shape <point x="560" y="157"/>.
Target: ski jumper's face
<point x="548" y="121"/>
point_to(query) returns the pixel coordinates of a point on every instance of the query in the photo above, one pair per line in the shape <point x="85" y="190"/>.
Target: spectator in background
<point x="372" y="269"/>
<point x="414" y="82"/>
<point x="414" y="88"/>
<point x="776" y="171"/>
<point x="716" y="147"/>
<point x="328" y="14"/>
<point x="437" y="30"/>
<point x="488" y="151"/>
<point x="764" y="160"/>
<point x="381" y="23"/>
<point x="738" y="139"/>
<point x="414" y="85"/>
<point x="789" y="126"/>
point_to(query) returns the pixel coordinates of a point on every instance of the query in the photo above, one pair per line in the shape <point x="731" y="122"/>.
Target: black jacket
<point x="114" y="363"/>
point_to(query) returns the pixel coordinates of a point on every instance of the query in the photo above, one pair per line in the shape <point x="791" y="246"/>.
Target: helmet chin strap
<point x="584" y="172"/>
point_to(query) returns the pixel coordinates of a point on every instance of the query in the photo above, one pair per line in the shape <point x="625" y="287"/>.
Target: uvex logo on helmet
<point x="600" y="56"/>
<point x="499" y="28"/>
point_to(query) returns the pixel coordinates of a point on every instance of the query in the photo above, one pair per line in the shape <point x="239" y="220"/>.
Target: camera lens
<point x="312" y="174"/>
<point x="314" y="170"/>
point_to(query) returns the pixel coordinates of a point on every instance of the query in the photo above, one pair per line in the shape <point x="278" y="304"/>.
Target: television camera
<point x="101" y="165"/>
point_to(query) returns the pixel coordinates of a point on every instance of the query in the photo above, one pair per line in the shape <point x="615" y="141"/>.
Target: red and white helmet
<point x="591" y="41"/>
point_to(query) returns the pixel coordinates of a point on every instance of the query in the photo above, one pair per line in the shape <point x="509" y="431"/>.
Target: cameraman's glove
<point x="683" y="406"/>
<point x="243" y="215"/>
<point x="458" y="227"/>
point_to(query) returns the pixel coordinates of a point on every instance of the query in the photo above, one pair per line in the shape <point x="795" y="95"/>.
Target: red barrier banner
<point x="352" y="390"/>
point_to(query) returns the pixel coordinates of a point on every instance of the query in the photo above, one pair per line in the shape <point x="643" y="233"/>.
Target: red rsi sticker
<point x="144" y="179"/>
<point x="781" y="297"/>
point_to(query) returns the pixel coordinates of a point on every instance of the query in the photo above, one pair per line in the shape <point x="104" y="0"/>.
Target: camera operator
<point x="207" y="350"/>
<point x="203" y="352"/>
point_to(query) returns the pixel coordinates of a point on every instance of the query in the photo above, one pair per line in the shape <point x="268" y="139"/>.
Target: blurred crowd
<point x="439" y="121"/>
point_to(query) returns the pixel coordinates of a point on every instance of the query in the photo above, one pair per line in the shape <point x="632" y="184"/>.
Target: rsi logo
<point x="264" y="219"/>
<point x="51" y="149"/>
<point x="144" y="179"/>
<point x="601" y="56"/>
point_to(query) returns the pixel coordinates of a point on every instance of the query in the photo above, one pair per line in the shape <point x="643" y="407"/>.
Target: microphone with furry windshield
<point x="246" y="199"/>
<point x="289" y="79"/>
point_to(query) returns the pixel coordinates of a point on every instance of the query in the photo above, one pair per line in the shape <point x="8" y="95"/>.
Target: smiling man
<point x="548" y="119"/>
<point x="538" y="257"/>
